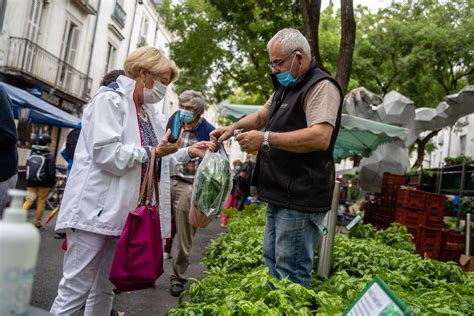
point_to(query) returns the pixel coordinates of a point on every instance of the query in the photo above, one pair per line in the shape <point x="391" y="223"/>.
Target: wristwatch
<point x="266" y="143"/>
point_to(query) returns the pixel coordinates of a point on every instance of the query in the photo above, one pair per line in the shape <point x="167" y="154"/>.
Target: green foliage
<point x="452" y="161"/>
<point x="467" y="205"/>
<point x="425" y="285"/>
<point x="362" y="231"/>
<point x="396" y="236"/>
<point x="423" y="49"/>
<point x="222" y="46"/>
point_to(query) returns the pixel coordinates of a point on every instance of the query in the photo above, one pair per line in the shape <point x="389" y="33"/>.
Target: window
<point x="462" y="145"/>
<point x="31" y="31"/>
<point x="143" y="33"/>
<point x="33" y="20"/>
<point x="110" y="62"/>
<point x="68" y="53"/>
<point x="3" y="9"/>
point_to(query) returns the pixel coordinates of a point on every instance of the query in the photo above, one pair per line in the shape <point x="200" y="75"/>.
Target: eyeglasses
<point x="275" y="64"/>
<point x="186" y="107"/>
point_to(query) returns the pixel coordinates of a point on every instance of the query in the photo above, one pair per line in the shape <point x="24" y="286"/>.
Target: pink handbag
<point x="138" y="259"/>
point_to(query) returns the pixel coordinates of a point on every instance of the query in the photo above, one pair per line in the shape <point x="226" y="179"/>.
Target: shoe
<point x="59" y="236"/>
<point x="176" y="289"/>
<point x="166" y="255"/>
<point x="39" y="226"/>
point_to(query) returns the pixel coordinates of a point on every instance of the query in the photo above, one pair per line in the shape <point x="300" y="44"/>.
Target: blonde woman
<point x="120" y="127"/>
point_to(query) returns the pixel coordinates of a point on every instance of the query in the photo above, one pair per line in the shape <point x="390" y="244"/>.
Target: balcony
<point x="30" y="60"/>
<point x="119" y="15"/>
<point x="87" y="6"/>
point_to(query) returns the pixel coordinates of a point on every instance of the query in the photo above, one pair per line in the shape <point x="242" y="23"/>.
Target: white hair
<point x="195" y="98"/>
<point x="291" y="40"/>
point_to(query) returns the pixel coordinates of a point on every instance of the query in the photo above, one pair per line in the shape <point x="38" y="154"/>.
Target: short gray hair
<point x="195" y="98"/>
<point x="291" y="40"/>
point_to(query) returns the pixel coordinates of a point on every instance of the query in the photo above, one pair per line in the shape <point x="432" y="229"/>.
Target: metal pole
<point x="327" y="241"/>
<point x="440" y="179"/>
<point x="419" y="178"/>
<point x="468" y="234"/>
<point x="461" y="188"/>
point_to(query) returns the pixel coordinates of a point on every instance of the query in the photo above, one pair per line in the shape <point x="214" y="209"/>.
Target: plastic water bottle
<point x="19" y="245"/>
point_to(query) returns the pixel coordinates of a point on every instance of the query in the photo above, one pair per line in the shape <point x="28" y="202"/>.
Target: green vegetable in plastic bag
<point x="212" y="183"/>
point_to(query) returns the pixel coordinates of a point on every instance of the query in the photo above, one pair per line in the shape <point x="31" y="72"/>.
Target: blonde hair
<point x="151" y="59"/>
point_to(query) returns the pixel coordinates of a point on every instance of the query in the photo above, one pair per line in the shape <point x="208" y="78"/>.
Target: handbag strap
<point x="144" y="184"/>
<point x="152" y="177"/>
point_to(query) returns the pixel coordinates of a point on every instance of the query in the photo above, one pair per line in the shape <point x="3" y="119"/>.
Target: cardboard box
<point x="467" y="263"/>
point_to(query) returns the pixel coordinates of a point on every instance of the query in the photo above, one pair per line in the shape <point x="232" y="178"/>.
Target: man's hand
<point x="166" y="148"/>
<point x="199" y="149"/>
<point x="250" y="141"/>
<point x="221" y="134"/>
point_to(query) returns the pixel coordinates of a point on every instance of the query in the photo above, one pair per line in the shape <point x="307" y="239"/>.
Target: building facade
<point x="452" y="142"/>
<point x="60" y="49"/>
<point x="63" y="48"/>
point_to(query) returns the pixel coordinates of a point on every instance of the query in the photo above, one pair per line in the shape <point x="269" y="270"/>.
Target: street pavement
<point x="154" y="301"/>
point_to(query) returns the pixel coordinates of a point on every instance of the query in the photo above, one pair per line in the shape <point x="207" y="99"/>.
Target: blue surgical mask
<point x="237" y="168"/>
<point x="286" y="78"/>
<point x="187" y="116"/>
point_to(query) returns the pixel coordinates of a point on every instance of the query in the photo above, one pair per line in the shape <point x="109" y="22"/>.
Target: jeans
<point x="290" y="239"/>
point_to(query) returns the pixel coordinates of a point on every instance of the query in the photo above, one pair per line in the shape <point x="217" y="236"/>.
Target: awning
<point x="41" y="112"/>
<point x="357" y="136"/>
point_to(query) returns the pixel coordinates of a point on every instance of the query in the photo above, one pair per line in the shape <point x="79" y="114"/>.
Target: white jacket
<point x="104" y="182"/>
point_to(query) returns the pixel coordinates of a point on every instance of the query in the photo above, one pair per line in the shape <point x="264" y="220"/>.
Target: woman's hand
<point x="166" y="148"/>
<point x="199" y="149"/>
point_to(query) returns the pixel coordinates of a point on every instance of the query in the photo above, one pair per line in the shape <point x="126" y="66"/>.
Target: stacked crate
<point x="452" y="245"/>
<point x="422" y="213"/>
<point x="381" y="211"/>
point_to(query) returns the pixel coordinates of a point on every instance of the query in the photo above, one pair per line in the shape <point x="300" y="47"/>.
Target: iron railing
<point x="27" y="57"/>
<point x="119" y="14"/>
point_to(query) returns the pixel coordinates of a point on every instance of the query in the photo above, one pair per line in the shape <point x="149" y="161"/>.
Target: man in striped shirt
<point x="192" y="105"/>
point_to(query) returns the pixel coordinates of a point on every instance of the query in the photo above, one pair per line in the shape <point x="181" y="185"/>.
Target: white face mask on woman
<point x="155" y="94"/>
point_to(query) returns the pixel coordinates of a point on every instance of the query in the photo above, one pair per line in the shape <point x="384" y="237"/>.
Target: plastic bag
<point x="212" y="183"/>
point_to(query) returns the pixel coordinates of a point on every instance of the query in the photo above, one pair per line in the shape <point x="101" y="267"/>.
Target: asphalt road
<point x="154" y="301"/>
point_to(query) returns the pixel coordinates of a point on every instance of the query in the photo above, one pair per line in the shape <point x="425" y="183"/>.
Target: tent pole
<point x="57" y="143"/>
<point x="327" y="241"/>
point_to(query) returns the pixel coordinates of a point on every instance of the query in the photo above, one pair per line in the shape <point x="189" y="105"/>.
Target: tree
<point x="422" y="49"/>
<point x="234" y="35"/>
<point x="222" y="46"/>
<point x="346" y="48"/>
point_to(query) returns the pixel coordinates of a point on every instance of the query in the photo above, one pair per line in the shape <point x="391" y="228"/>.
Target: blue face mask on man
<point x="187" y="116"/>
<point x="286" y="78"/>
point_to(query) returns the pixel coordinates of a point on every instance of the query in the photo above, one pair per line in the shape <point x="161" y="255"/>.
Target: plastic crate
<point x="430" y="240"/>
<point x="389" y="178"/>
<point x="453" y="237"/>
<point x="435" y="202"/>
<point x="411" y="199"/>
<point x="433" y="218"/>
<point x="416" y="232"/>
<point x="431" y="252"/>
<point x="449" y="255"/>
<point x="408" y="217"/>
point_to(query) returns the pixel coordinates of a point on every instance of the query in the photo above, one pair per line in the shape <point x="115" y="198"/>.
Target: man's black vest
<point x="297" y="181"/>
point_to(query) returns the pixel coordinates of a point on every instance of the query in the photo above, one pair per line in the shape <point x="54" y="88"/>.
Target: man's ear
<point x="299" y="55"/>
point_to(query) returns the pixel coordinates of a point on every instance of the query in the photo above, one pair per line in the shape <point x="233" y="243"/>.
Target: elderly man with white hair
<point x="295" y="170"/>
<point x="192" y="105"/>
